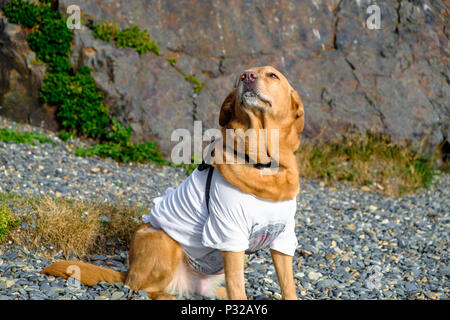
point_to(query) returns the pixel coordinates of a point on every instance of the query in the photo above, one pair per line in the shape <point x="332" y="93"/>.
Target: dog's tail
<point x="87" y="273"/>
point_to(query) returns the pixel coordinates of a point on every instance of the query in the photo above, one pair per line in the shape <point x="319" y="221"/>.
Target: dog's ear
<point x="227" y="109"/>
<point x="297" y="106"/>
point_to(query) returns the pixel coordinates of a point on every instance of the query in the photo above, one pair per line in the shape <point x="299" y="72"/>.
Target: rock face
<point x="394" y="80"/>
<point x="20" y="79"/>
<point x="141" y="90"/>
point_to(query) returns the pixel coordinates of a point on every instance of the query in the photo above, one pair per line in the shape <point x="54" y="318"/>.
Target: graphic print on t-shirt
<point x="262" y="236"/>
<point x="211" y="263"/>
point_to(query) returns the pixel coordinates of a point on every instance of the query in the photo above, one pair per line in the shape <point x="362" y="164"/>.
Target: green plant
<point x="31" y="138"/>
<point x="6" y="221"/>
<point x="118" y="132"/>
<point x="80" y="102"/>
<point x="198" y="85"/>
<point x="51" y="39"/>
<point x="106" y="31"/>
<point x="131" y="37"/>
<point x="23" y="12"/>
<point x="37" y="62"/>
<point x="66" y="135"/>
<point x="423" y="168"/>
<point x="119" y="184"/>
<point x="130" y="152"/>
<point x="172" y="61"/>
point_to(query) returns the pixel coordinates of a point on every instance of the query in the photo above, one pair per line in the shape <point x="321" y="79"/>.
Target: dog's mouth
<point x="249" y="94"/>
<point x="253" y="98"/>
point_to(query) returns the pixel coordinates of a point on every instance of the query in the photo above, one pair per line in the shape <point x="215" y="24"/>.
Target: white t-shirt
<point x="236" y="221"/>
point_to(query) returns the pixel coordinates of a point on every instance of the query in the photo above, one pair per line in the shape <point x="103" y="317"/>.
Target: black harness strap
<point x="208" y="185"/>
<point x="204" y="166"/>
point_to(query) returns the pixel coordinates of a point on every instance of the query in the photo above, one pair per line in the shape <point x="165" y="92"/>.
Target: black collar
<point x="256" y="165"/>
<point x="204" y="165"/>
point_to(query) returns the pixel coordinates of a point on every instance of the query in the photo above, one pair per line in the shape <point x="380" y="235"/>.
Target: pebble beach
<point x="352" y="244"/>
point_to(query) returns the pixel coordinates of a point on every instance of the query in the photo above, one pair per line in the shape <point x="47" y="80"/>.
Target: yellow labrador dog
<point x="194" y="240"/>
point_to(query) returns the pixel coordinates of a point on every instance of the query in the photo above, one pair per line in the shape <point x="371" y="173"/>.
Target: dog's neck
<point x="265" y="134"/>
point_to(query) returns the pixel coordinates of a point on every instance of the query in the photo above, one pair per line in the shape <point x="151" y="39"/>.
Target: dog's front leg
<point x="233" y="263"/>
<point x="283" y="268"/>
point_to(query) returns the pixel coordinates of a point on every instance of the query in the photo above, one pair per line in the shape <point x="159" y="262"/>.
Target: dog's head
<point x="264" y="94"/>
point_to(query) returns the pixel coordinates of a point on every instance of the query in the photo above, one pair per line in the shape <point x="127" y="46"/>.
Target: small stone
<point x="327" y="283"/>
<point x="379" y="186"/>
<point x="119" y="285"/>
<point x="350" y="227"/>
<point x="104" y="219"/>
<point x="95" y="170"/>
<point x="117" y="295"/>
<point x="314" y="275"/>
<point x="100" y="258"/>
<point x="143" y="293"/>
<point x="410" y="287"/>
<point x="330" y="256"/>
<point x="372" y="208"/>
<point x="387" y="293"/>
<point x="433" y="295"/>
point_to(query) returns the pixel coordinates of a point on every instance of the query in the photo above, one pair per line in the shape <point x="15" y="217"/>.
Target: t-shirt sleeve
<point x="226" y="229"/>
<point x="286" y="242"/>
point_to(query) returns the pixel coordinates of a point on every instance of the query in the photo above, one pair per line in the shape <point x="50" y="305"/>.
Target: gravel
<point x="352" y="244"/>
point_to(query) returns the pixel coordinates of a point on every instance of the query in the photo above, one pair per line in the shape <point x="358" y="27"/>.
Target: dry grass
<point x="372" y="161"/>
<point x="76" y="227"/>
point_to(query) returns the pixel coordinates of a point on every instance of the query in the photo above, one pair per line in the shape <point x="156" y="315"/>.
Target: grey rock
<point x="119" y="285"/>
<point x="327" y="283"/>
<point x="19" y="90"/>
<point x="409" y="287"/>
<point x="393" y="80"/>
<point x="117" y="295"/>
<point x="143" y="293"/>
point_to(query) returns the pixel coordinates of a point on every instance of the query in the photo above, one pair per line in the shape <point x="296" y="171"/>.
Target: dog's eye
<point x="273" y="75"/>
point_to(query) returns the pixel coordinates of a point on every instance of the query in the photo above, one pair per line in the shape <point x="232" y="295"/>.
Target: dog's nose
<point x="249" y="76"/>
